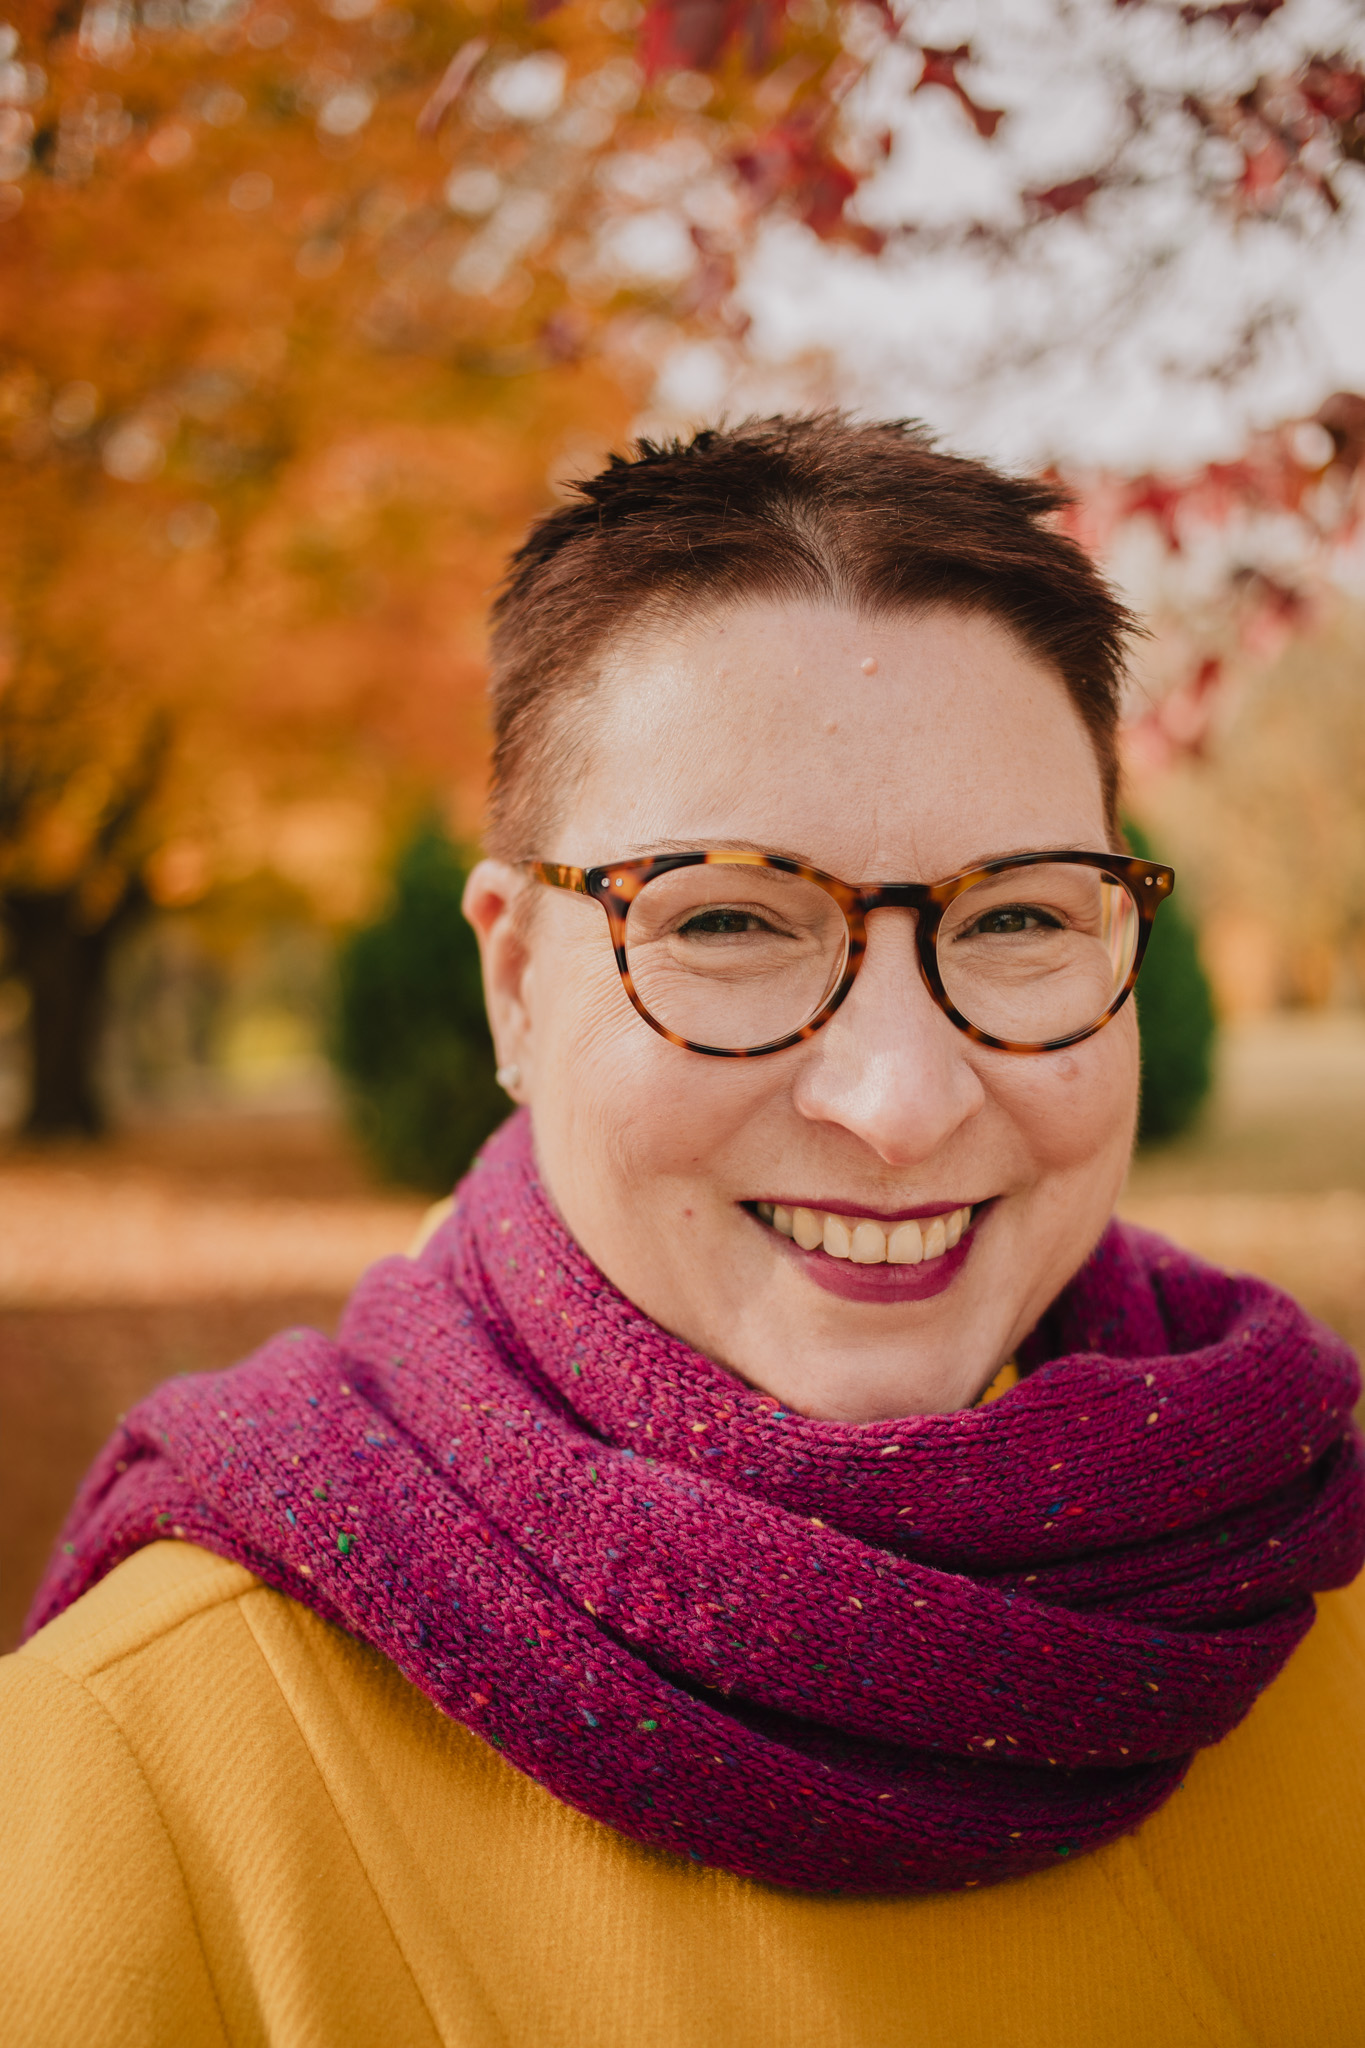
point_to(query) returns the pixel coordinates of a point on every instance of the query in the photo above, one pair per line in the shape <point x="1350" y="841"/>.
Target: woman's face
<point x="902" y="750"/>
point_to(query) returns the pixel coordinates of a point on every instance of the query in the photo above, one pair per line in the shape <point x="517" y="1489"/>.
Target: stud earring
<point x="508" y="1078"/>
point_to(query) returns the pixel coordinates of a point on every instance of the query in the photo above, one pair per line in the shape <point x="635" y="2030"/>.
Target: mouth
<point x="875" y="1258"/>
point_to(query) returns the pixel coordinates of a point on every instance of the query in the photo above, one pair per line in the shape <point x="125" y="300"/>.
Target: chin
<point x="851" y="1362"/>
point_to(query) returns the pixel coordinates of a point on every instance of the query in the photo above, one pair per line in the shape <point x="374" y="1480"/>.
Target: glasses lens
<point x="732" y="956"/>
<point x="1038" y="953"/>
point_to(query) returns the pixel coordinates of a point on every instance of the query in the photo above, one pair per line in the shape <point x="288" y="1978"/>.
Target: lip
<point x="882" y="1283"/>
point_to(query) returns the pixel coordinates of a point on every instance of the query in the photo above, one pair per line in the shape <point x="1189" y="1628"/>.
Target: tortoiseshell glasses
<point x="738" y="954"/>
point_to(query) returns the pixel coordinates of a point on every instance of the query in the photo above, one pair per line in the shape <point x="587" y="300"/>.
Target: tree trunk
<point x="64" y="965"/>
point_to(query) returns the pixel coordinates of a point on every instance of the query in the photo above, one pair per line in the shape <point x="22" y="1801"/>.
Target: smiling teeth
<point x="864" y="1241"/>
<point x="807" y="1228"/>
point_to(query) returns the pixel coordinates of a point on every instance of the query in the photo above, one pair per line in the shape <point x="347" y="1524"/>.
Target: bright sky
<point x="1094" y="341"/>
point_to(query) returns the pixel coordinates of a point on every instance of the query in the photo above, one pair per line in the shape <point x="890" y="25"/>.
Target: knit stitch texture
<point x="883" y="1658"/>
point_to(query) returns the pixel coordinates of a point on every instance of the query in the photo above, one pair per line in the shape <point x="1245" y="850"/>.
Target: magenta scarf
<point x="895" y="1657"/>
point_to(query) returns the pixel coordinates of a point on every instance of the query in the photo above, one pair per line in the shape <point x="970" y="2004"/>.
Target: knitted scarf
<point x="885" y="1658"/>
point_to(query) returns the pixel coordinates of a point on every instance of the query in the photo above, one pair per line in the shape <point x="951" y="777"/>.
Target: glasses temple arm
<point x="556" y="876"/>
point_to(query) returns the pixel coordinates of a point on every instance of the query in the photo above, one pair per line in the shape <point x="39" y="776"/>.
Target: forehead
<point x="904" y="747"/>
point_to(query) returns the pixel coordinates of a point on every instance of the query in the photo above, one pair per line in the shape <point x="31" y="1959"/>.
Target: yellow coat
<point x="224" y="1822"/>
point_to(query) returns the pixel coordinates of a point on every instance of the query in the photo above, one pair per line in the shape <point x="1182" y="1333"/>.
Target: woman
<point x="781" y="1566"/>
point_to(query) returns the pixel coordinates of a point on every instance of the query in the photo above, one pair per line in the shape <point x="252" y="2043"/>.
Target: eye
<point x="722" y="921"/>
<point x="1009" y="919"/>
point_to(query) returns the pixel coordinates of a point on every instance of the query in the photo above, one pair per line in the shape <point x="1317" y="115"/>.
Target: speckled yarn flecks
<point x="885" y="1658"/>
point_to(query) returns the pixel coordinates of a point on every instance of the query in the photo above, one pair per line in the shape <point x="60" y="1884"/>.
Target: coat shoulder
<point x="144" y="1599"/>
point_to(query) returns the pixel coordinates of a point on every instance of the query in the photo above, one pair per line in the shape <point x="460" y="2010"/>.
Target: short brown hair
<point x="817" y="507"/>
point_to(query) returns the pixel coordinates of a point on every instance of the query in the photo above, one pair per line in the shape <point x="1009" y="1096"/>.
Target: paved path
<point x="70" y="1238"/>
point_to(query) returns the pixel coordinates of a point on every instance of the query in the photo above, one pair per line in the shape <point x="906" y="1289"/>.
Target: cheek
<point x="1080" y="1106"/>
<point x="580" y="1016"/>
<point x="614" y="1103"/>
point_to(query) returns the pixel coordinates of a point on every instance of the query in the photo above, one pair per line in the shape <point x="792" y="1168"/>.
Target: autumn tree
<point x="305" y="312"/>
<point x="248" y="526"/>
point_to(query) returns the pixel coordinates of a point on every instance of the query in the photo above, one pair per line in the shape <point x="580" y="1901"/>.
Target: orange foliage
<point x="238" y="531"/>
<point x="299" y="315"/>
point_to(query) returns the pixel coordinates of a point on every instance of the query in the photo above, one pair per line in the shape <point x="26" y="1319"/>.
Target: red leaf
<point x="1160" y="501"/>
<point x="790" y="162"/>
<point x="1232" y="14"/>
<point x="1265" y="169"/>
<point x="684" y="35"/>
<point x="1206" y="677"/>
<point x="693" y="35"/>
<point x="940" y="68"/>
<point x="1065" y="198"/>
<point x="758" y="22"/>
<point x="1337" y="95"/>
<point x="1343" y="415"/>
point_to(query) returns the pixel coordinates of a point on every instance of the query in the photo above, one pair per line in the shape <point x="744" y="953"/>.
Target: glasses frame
<point x="616" y="885"/>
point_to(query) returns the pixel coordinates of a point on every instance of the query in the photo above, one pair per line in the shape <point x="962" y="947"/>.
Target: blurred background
<point x="309" y="308"/>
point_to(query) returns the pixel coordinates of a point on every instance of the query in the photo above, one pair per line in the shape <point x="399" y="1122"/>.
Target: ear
<point x="494" y="904"/>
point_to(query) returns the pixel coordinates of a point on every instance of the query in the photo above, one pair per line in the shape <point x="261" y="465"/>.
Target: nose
<point x="889" y="1066"/>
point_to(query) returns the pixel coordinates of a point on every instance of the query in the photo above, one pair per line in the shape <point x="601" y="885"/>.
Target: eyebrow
<point x="644" y="849"/>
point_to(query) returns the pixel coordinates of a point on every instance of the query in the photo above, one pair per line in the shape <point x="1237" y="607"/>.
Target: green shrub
<point x="411" y="1039"/>
<point x="1175" y="1021"/>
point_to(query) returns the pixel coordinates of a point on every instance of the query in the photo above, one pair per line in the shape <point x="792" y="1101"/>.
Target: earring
<point x="508" y="1078"/>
